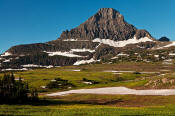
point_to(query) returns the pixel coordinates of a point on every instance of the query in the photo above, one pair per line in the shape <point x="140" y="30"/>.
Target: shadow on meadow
<point x="55" y="102"/>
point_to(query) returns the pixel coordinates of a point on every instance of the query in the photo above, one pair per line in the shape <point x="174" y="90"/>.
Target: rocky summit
<point x="107" y="23"/>
<point x="104" y="37"/>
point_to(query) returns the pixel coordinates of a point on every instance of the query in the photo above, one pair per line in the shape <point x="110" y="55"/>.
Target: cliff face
<point x="107" y="23"/>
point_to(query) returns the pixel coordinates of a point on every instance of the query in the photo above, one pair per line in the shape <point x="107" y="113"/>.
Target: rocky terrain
<point x="104" y="37"/>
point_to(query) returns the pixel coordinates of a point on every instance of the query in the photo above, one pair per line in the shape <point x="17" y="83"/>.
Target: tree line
<point x="16" y="91"/>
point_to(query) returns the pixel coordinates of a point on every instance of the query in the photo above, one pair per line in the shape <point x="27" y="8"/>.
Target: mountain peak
<point x="107" y="9"/>
<point x="108" y="13"/>
<point x="107" y="23"/>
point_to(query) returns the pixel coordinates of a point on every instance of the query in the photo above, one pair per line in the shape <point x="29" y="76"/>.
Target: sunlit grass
<point x="83" y="110"/>
<point x="41" y="77"/>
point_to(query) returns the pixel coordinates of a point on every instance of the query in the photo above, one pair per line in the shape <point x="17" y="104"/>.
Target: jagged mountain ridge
<point x="103" y="36"/>
<point x="105" y="24"/>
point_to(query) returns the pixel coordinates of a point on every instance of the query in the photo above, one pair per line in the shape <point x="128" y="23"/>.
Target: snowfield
<point x="121" y="43"/>
<point x="116" y="90"/>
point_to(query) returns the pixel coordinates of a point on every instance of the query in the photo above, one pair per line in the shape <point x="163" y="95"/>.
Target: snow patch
<point x="6" y="54"/>
<point x="82" y="50"/>
<point x="84" y="61"/>
<point x="43" y="87"/>
<point x="10" y="69"/>
<point x="67" y="54"/>
<point x="122" y="54"/>
<point x="78" y="70"/>
<point x="171" y="54"/>
<point x="116" y="90"/>
<point x="171" y="44"/>
<point x="50" y="66"/>
<point x="156" y="56"/>
<point x="35" y="66"/>
<point x="7" y="60"/>
<point x="98" y="45"/>
<point x="30" y="65"/>
<point x="88" y="83"/>
<point x="166" y="46"/>
<point x="121" y="43"/>
<point x="74" y="40"/>
<point x="115" y="57"/>
<point x="168" y="60"/>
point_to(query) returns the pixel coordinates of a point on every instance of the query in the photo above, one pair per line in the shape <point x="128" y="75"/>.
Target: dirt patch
<point x="119" y="100"/>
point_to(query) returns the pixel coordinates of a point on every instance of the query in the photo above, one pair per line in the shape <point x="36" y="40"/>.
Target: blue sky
<point x="34" y="21"/>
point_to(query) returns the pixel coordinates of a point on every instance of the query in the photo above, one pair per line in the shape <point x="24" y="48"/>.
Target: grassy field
<point x="96" y="105"/>
<point x="41" y="77"/>
<point x="84" y="110"/>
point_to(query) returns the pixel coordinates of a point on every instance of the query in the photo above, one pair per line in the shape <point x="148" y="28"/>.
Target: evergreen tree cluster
<point x="59" y="84"/>
<point x="12" y="91"/>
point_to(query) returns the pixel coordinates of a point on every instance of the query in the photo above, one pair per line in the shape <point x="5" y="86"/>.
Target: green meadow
<point x="84" y="110"/>
<point x="91" y="104"/>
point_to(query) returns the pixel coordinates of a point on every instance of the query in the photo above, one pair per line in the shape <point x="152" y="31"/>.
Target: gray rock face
<point x="107" y="23"/>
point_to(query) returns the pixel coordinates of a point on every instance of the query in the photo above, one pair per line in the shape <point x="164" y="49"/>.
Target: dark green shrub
<point x="59" y="84"/>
